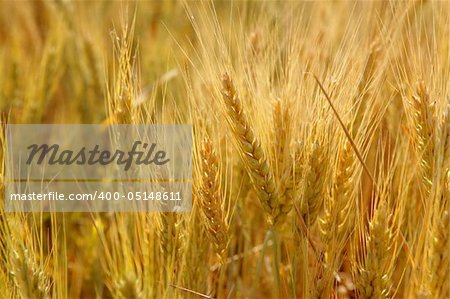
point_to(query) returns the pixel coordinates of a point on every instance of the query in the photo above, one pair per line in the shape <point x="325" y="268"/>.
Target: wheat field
<point x="321" y="157"/>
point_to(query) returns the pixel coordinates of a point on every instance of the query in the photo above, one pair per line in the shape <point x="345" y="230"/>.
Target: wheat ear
<point x="287" y="165"/>
<point x="167" y="230"/>
<point x="31" y="281"/>
<point x="424" y="121"/>
<point x="252" y="153"/>
<point x="210" y="199"/>
<point x="281" y="133"/>
<point x="313" y="185"/>
<point x="440" y="258"/>
<point x="129" y="286"/>
<point x="375" y="275"/>
<point x="335" y="225"/>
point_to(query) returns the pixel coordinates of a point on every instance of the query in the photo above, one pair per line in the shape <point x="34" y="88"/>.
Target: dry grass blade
<point x="347" y="133"/>
<point x="198" y="294"/>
